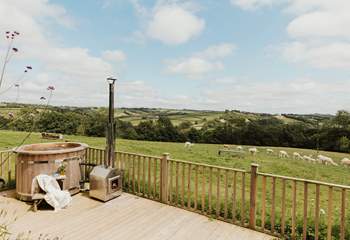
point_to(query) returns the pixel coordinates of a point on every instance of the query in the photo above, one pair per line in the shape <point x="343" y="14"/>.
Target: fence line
<point x="282" y="206"/>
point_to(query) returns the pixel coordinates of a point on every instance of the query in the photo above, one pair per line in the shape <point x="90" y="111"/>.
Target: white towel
<point x="57" y="198"/>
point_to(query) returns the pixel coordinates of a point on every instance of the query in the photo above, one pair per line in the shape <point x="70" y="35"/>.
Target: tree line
<point x="331" y="134"/>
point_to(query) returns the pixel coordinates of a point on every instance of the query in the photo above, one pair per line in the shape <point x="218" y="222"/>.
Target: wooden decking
<point x="127" y="217"/>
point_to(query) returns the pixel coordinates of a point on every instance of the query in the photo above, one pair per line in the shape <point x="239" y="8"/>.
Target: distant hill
<point x="196" y="117"/>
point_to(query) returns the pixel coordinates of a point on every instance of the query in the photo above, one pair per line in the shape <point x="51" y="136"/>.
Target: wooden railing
<point x="287" y="207"/>
<point x="303" y="209"/>
<point x="7" y="169"/>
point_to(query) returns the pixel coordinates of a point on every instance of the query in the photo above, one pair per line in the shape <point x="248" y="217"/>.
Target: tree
<point x="125" y="130"/>
<point x="146" y="130"/>
<point x="344" y="144"/>
<point x="95" y="124"/>
<point x="342" y="119"/>
<point x="58" y="122"/>
<point x="166" y="130"/>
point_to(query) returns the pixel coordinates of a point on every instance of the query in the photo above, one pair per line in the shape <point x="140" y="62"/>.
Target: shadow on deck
<point x="126" y="217"/>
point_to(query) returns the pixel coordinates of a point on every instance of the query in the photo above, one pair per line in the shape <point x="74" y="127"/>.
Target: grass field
<point x="208" y="153"/>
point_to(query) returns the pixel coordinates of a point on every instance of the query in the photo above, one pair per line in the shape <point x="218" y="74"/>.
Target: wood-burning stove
<point x="105" y="183"/>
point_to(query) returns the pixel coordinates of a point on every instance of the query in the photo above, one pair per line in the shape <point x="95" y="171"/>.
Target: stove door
<point x="114" y="184"/>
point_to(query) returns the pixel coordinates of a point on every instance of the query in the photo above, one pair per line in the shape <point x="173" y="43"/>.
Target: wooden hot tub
<point x="46" y="158"/>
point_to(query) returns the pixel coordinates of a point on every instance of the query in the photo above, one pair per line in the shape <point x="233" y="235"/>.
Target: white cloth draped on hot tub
<point x="54" y="196"/>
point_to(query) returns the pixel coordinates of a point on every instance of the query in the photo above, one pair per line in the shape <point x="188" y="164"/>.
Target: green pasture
<point x="208" y="154"/>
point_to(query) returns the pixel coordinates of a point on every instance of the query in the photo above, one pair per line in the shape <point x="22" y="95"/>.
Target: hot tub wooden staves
<point x="46" y="158"/>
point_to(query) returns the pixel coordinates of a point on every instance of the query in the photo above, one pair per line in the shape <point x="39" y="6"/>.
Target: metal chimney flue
<point x="110" y="141"/>
<point x="106" y="180"/>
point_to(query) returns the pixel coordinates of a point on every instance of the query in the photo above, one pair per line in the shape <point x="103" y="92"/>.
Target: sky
<point x="272" y="56"/>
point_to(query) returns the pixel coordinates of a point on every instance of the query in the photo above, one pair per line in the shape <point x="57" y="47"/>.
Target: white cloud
<point x="295" y="96"/>
<point x="324" y="20"/>
<point x="67" y="68"/>
<point x="330" y="55"/>
<point x="217" y="51"/>
<point x="319" y="31"/>
<point x="254" y="4"/>
<point x="114" y="56"/>
<point x="192" y="67"/>
<point x="174" y="25"/>
<point x="201" y="63"/>
<point x="171" y="22"/>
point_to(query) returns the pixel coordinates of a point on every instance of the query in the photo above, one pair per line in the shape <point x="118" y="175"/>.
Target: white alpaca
<point x="309" y="159"/>
<point x="253" y="150"/>
<point x="269" y="151"/>
<point x="345" y="162"/>
<point x="326" y="160"/>
<point x="283" y="154"/>
<point x="188" y="145"/>
<point x="297" y="155"/>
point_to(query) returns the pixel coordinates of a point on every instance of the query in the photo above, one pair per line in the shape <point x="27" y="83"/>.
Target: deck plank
<point x="126" y="217"/>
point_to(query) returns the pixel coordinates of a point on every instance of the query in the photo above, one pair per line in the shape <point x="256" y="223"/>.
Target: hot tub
<point x="46" y="158"/>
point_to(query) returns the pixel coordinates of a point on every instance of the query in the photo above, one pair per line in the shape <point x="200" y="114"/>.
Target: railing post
<point x="164" y="178"/>
<point x="253" y="180"/>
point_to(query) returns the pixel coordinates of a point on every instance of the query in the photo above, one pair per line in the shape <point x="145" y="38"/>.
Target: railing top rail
<point x="123" y="152"/>
<point x="208" y="165"/>
<point x="304" y="180"/>
<point x="141" y="155"/>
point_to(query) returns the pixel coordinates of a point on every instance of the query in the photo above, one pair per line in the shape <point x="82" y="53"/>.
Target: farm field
<point x="177" y="116"/>
<point x="208" y="153"/>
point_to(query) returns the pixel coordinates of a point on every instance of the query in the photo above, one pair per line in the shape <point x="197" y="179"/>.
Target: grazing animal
<point x="269" y="151"/>
<point x="226" y="146"/>
<point x="239" y="148"/>
<point x="309" y="159"/>
<point x="326" y="160"/>
<point x="188" y="145"/>
<point x="283" y="154"/>
<point x="253" y="150"/>
<point x="297" y="155"/>
<point x="345" y="162"/>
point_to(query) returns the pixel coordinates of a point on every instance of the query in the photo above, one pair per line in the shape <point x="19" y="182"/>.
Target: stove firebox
<point x="105" y="183"/>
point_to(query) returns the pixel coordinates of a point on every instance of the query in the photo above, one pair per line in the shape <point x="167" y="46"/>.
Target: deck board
<point x="127" y="217"/>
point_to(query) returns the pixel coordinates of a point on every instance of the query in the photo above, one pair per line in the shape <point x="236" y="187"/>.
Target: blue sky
<point x="254" y="55"/>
